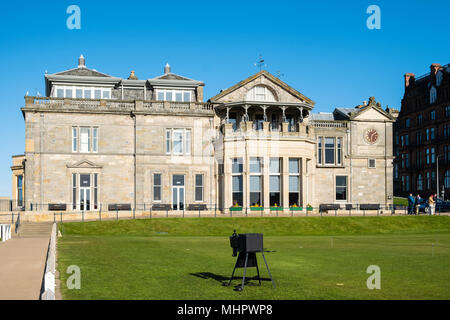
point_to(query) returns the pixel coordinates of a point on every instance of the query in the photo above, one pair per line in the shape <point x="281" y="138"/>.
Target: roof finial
<point x="81" y="62"/>
<point x="167" y="68"/>
<point x="132" y="76"/>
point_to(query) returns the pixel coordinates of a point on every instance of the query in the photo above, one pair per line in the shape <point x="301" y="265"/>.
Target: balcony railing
<point x="328" y="124"/>
<point x="118" y="105"/>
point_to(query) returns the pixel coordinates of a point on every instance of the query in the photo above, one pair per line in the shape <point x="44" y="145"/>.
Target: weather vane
<point x="260" y="63"/>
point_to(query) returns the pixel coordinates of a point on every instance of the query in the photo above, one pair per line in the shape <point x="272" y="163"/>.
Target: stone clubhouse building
<point x="97" y="142"/>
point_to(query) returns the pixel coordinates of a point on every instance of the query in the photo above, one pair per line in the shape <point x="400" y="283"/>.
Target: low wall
<point x="50" y="268"/>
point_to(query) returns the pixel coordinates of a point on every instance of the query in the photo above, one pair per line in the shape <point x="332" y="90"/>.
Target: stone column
<point x="285" y="183"/>
<point x="227" y="184"/>
<point x="266" y="184"/>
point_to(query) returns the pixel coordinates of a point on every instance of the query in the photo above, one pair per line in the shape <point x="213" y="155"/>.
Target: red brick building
<point x="422" y="134"/>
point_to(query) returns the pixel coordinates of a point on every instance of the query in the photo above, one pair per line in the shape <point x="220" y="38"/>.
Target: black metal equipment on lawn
<point x="247" y="245"/>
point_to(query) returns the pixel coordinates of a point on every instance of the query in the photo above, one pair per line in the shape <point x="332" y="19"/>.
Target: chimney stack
<point x="434" y="68"/>
<point x="409" y="79"/>
<point x="167" y="69"/>
<point x="132" y="76"/>
<point x="81" y="62"/>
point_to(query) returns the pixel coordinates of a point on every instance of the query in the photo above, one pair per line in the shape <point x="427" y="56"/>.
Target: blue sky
<point x="322" y="48"/>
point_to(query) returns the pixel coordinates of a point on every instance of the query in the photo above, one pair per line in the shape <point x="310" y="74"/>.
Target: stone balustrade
<point x="49" y="103"/>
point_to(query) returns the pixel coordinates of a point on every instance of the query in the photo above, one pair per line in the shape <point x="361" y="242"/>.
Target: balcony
<point x="120" y="106"/>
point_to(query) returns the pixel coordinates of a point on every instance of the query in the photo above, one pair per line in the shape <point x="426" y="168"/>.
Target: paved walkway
<point x="22" y="264"/>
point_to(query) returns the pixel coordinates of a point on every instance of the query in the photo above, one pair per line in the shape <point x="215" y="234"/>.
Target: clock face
<point x="371" y="135"/>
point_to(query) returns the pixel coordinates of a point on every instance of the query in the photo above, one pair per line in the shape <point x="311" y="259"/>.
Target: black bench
<point x="119" y="207"/>
<point x="369" y="206"/>
<point x="197" y="207"/>
<point x="57" y="207"/>
<point x="349" y="206"/>
<point x="328" y="206"/>
<point x="161" y="207"/>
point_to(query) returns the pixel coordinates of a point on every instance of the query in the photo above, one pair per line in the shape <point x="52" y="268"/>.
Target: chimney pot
<point x="409" y="79"/>
<point x="81" y="62"/>
<point x="167" y="69"/>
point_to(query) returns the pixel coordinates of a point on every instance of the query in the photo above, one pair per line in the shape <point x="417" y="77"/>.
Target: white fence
<point x="5" y="232"/>
<point x="50" y="268"/>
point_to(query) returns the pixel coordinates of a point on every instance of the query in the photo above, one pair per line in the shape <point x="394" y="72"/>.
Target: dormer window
<point x="438" y="78"/>
<point x="81" y="92"/>
<point x="433" y="95"/>
<point x="173" y="95"/>
<point x="260" y="93"/>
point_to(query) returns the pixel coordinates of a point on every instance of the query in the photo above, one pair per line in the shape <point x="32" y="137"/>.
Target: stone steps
<point x="35" y="230"/>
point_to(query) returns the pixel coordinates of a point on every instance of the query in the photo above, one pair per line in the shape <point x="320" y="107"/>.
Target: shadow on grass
<point x="224" y="279"/>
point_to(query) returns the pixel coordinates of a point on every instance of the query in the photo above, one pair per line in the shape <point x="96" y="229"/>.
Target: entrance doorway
<point x="178" y="192"/>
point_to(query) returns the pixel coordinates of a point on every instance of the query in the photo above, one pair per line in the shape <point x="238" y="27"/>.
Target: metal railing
<point x="147" y="211"/>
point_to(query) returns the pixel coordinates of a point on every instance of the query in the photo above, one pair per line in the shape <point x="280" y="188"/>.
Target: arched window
<point x="260" y="93"/>
<point x="419" y="182"/>
<point x="447" y="179"/>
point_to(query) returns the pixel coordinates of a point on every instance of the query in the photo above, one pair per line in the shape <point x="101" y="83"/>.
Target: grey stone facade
<point x="135" y="149"/>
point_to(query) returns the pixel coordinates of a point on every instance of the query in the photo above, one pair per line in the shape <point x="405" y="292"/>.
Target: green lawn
<point x="315" y="258"/>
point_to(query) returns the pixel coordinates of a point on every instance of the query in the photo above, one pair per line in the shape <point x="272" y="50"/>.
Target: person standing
<point x="417" y="204"/>
<point x="431" y="204"/>
<point x="411" y="202"/>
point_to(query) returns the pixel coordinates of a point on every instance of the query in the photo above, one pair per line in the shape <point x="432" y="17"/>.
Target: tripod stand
<point x="248" y="260"/>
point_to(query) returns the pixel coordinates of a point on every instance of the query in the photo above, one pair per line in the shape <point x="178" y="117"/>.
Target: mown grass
<point x="271" y="226"/>
<point x="315" y="258"/>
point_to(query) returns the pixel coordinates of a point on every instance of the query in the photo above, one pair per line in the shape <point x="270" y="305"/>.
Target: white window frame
<point x="92" y="142"/>
<point x="338" y="152"/>
<point x="202" y="186"/>
<point x="346" y="188"/>
<point x="84" y="89"/>
<point x="174" y="92"/>
<point x="160" y="186"/>
<point x="186" y="142"/>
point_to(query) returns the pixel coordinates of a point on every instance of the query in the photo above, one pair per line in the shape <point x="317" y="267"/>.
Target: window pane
<point x="169" y="95"/>
<point x="237" y="184"/>
<point x="188" y="141"/>
<point x="157" y="193"/>
<point x="106" y="94"/>
<point x="85" y="180"/>
<point x="178" y="180"/>
<point x="199" y="180"/>
<point x="178" y="142"/>
<point x="237" y="166"/>
<point x="294" y="166"/>
<point x="79" y="93"/>
<point x="160" y="95"/>
<point x="341" y="188"/>
<point x="274" y="165"/>
<point x="255" y="165"/>
<point x="275" y="183"/>
<point x="178" y="96"/>
<point x="60" y="93"/>
<point x="68" y="93"/>
<point x="98" y="94"/>
<point x="157" y="179"/>
<point x="168" y="141"/>
<point x="74" y="140"/>
<point x="87" y="94"/>
<point x="329" y="150"/>
<point x="84" y="139"/>
<point x="94" y="139"/>
<point x="186" y="96"/>
<point x="255" y="183"/>
<point x="198" y="193"/>
<point x="294" y="185"/>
